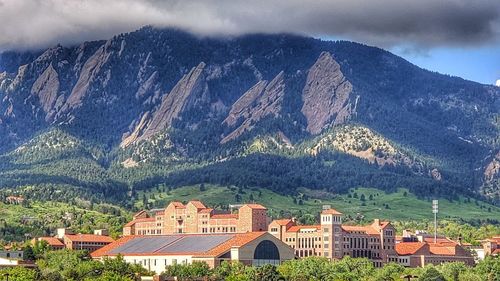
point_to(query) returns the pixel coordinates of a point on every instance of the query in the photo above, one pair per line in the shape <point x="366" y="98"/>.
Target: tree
<point x="390" y="272"/>
<point x="453" y="270"/>
<point x="362" y="198"/>
<point x="430" y="273"/>
<point x="202" y="187"/>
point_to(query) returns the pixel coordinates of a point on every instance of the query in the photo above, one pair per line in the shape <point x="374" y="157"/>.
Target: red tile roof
<point x="130" y="223"/>
<point x="178" y="204"/>
<point x="331" y="212"/>
<point x="442" y="249"/>
<point x="366" y="229"/>
<point x="88" y="238"/>
<point x="297" y="228"/>
<point x="256" y="206"/>
<point x="409" y="248"/>
<point x="52" y="241"/>
<point x="207" y="210"/>
<point x="283" y="221"/>
<point x="197" y="204"/>
<point x="224" y="216"/>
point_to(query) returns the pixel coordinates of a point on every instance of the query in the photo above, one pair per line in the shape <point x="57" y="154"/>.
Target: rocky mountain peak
<point x="190" y="92"/>
<point x="326" y="94"/>
<point x="262" y="100"/>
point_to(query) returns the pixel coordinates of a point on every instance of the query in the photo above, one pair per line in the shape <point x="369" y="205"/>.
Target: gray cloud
<point x="411" y="23"/>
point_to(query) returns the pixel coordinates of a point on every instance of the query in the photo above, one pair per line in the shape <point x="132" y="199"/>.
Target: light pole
<point x="6" y="276"/>
<point x="435" y="212"/>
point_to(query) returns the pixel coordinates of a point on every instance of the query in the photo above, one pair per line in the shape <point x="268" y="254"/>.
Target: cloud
<point x="498" y="83"/>
<point x="387" y="23"/>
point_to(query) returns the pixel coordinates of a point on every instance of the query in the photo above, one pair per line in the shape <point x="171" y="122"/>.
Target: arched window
<point x="266" y="252"/>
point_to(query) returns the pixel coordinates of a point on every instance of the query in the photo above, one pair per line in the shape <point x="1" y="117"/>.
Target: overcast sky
<point x="453" y="36"/>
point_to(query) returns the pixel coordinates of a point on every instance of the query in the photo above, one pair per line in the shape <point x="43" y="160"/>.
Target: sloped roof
<point x="178" y="204"/>
<point x="331" y="212"/>
<point x="52" y="241"/>
<point x="409" y="248"/>
<point x="256" y="206"/>
<point x="198" y="204"/>
<point x="297" y="228"/>
<point x="442" y="250"/>
<point x="130" y="223"/>
<point x="367" y="229"/>
<point x="283" y="221"/>
<point x="224" y="216"/>
<point x="200" y="245"/>
<point x="89" y="238"/>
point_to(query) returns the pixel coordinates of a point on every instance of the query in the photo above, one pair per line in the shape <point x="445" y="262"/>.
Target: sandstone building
<point x="195" y="217"/>
<point x="333" y="240"/>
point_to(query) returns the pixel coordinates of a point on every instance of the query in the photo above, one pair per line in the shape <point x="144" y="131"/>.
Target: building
<point x="492" y="246"/>
<point x="195" y="217"/>
<point x="89" y="242"/>
<point x="65" y="238"/>
<point x="155" y="252"/>
<point x="419" y="254"/>
<point x="52" y="242"/>
<point x="334" y="240"/>
<point x="18" y="255"/>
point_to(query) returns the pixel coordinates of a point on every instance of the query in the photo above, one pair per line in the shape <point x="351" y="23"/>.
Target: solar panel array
<point x="196" y="243"/>
<point x="144" y="244"/>
<point x="171" y="244"/>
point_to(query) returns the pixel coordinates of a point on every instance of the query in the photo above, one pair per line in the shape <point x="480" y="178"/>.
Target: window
<point x="266" y="250"/>
<point x="326" y="230"/>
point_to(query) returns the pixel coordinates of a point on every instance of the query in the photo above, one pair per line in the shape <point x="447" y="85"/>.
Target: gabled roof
<point x="442" y="250"/>
<point x="88" y="238"/>
<point x="256" y="206"/>
<point x="206" y="210"/>
<point x="224" y="216"/>
<point x="198" y="204"/>
<point x="178" y="204"/>
<point x="366" y="229"/>
<point x="131" y="223"/>
<point x="282" y="221"/>
<point x="199" y="245"/>
<point x="409" y="248"/>
<point x="52" y="241"/>
<point x="331" y="212"/>
<point x="297" y="228"/>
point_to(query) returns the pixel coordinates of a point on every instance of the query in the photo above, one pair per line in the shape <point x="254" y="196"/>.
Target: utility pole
<point x="435" y="212"/>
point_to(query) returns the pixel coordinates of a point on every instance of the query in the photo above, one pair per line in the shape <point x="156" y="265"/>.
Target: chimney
<point x="376" y="221"/>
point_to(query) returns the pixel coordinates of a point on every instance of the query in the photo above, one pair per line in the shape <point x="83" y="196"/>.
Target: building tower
<point x="331" y="228"/>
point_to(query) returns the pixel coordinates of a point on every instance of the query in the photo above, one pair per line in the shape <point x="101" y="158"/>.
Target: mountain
<point x="162" y="106"/>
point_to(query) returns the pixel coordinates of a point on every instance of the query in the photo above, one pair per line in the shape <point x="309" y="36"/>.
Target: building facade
<point x="195" y="217"/>
<point x="491" y="246"/>
<point x="333" y="240"/>
<point x="419" y="254"/>
<point x="65" y="238"/>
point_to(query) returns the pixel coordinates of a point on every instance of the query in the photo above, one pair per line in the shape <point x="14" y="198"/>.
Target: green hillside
<point x="400" y="205"/>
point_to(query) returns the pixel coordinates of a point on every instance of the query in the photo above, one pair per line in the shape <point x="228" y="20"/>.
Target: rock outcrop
<point x="262" y="100"/>
<point x="325" y="94"/>
<point x="191" y="91"/>
<point x="46" y="89"/>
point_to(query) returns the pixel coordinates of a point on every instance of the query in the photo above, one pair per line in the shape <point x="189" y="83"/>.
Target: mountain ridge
<point x="170" y="102"/>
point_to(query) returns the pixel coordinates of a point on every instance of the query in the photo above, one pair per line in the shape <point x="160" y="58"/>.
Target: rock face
<point x="325" y="94"/>
<point x="46" y="89"/>
<point x="89" y="72"/>
<point x="262" y="100"/>
<point x="190" y="92"/>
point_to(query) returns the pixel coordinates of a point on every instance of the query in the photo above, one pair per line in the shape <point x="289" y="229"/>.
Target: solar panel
<point x="196" y="243"/>
<point x="144" y="244"/>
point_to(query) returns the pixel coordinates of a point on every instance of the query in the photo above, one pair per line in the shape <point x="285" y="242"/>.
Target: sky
<point x="457" y="37"/>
